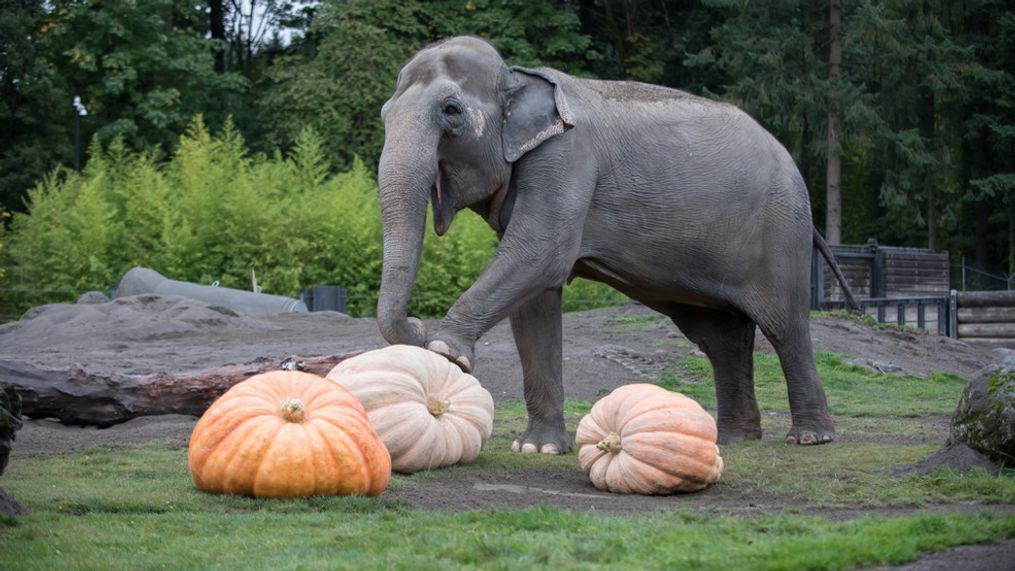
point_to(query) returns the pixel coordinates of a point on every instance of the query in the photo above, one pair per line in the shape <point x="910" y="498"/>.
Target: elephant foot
<point x="734" y="435"/>
<point x="454" y="352"/>
<point x="811" y="432"/>
<point x="737" y="429"/>
<point x="543" y="439"/>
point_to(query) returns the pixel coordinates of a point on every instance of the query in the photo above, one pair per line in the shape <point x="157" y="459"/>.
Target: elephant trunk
<point x="406" y="174"/>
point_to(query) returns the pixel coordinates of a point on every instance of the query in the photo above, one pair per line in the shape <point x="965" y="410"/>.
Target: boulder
<point x="10" y="422"/>
<point x="985" y="417"/>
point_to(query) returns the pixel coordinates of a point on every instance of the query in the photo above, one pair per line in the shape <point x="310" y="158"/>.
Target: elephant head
<point x="458" y="121"/>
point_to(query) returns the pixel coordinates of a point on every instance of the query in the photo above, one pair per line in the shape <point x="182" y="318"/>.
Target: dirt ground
<point x="603" y="349"/>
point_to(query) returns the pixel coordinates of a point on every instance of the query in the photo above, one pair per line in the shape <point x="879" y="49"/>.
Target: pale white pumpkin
<point x="645" y="439"/>
<point x="426" y="410"/>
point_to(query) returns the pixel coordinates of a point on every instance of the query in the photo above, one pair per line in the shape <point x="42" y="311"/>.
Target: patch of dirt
<point x="603" y="349"/>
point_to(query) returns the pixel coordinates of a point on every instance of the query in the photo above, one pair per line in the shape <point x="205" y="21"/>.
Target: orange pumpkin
<point x="645" y="439"/>
<point x="287" y="434"/>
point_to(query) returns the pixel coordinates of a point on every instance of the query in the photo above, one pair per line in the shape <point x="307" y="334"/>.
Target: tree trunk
<point x="1011" y="235"/>
<point x="833" y="188"/>
<point x="78" y="396"/>
<point x="931" y="216"/>
<point x="931" y="180"/>
<point x="217" y="28"/>
<point x="981" y="247"/>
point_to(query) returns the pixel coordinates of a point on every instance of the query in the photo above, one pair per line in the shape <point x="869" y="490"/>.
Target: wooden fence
<point x="904" y="286"/>
<point x="875" y="271"/>
<point x="983" y="317"/>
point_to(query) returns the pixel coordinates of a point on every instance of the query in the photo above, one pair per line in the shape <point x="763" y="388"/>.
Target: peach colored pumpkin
<point x="287" y="434"/>
<point x="426" y="410"/>
<point x="644" y="439"/>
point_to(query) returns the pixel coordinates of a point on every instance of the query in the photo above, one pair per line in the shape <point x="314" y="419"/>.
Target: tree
<point x="35" y="106"/>
<point x="338" y="82"/>
<point x="770" y="61"/>
<point x="142" y="71"/>
<point x="833" y="183"/>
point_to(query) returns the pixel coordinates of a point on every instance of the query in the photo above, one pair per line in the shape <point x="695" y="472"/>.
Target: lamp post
<point x="79" y="112"/>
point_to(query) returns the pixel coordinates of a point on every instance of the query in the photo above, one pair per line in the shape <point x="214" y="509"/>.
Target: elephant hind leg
<point x="727" y="338"/>
<point x="791" y="338"/>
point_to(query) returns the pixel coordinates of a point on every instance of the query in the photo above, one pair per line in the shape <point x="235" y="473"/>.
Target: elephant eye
<point x="452" y="108"/>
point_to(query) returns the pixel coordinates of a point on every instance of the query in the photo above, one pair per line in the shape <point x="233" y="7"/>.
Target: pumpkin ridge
<point x="208" y="453"/>
<point x="371" y="396"/>
<point x="365" y="463"/>
<point x="237" y="456"/>
<point x="630" y="396"/>
<point x="311" y="453"/>
<point x="703" y="446"/>
<point x="262" y="459"/>
<point x="465" y="432"/>
<point x="677" y="481"/>
<point x="663" y="420"/>
<point x="430" y="439"/>
<point x="482" y="423"/>
<point x="589" y="431"/>
<point x="315" y="435"/>
<point x="343" y="440"/>
<point x="399" y="431"/>
<point x="327" y="399"/>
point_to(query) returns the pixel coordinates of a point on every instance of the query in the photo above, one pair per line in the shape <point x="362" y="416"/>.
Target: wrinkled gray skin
<point x="683" y="203"/>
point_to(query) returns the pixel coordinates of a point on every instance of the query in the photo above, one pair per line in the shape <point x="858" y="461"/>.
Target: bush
<point x="212" y="213"/>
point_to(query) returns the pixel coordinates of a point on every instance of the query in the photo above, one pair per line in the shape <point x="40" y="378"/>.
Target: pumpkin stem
<point x="610" y="444"/>
<point x="437" y="406"/>
<point x="293" y="410"/>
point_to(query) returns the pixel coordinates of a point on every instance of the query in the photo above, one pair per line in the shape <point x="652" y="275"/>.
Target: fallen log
<point x="986" y="298"/>
<point x="986" y="315"/>
<point x="74" y="395"/>
<point x="990" y="330"/>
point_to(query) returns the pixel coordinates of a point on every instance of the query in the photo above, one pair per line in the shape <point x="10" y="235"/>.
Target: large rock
<point x="10" y="422"/>
<point x="985" y="417"/>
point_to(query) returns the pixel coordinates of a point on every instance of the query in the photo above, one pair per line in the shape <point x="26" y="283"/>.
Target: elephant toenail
<point x="550" y="449"/>
<point x="808" y="438"/>
<point x="464" y="363"/>
<point x="439" y="347"/>
<point x="790" y="439"/>
<point x="516" y="446"/>
<point x="529" y="448"/>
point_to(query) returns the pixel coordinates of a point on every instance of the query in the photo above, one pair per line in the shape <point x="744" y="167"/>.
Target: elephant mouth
<point x="443" y="210"/>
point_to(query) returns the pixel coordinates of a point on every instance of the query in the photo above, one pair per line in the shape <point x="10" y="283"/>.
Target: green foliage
<point x="215" y="213"/>
<point x="339" y="84"/>
<point x="211" y="213"/>
<point x="34" y="141"/>
<point x="142" y="71"/>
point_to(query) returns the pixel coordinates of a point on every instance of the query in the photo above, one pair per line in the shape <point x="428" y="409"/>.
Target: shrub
<point x="212" y="212"/>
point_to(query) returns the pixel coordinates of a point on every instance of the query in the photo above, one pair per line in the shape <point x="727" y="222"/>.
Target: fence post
<point x="963" y="272"/>
<point x="817" y="280"/>
<point x="878" y="274"/>
<point x="953" y="311"/>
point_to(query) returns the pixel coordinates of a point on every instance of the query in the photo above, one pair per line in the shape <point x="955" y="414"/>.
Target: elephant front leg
<point x="536" y="324"/>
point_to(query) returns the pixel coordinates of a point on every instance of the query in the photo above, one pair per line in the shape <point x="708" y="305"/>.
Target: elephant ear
<point x="535" y="110"/>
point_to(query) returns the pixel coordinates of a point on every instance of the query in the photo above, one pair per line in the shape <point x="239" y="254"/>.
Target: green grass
<point x="852" y="390"/>
<point x="136" y="508"/>
<point x="624" y="323"/>
<point x="114" y="508"/>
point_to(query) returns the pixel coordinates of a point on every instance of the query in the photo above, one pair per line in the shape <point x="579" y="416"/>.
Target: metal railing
<point x="920" y="312"/>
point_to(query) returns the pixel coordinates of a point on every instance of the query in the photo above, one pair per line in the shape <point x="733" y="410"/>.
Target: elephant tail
<point x="826" y="252"/>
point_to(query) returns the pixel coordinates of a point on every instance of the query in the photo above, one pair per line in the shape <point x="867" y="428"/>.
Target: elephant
<point x="685" y="204"/>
